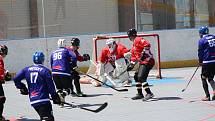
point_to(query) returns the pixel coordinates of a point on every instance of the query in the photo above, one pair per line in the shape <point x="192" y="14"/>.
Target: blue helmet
<point x="38" y="57"/>
<point x="203" y="30"/>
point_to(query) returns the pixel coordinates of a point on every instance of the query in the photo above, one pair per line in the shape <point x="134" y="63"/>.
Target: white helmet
<point x="111" y="44"/>
<point x="110" y="41"/>
<point x="61" y="43"/>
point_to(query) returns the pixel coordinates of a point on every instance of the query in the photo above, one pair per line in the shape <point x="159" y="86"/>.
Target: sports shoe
<point x="127" y="83"/>
<point x="62" y="98"/>
<point x="138" y="96"/>
<point x="80" y="94"/>
<point x="206" y="99"/>
<point x="148" y="96"/>
<point x="73" y="94"/>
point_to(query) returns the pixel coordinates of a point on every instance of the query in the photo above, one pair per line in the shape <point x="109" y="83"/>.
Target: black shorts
<point x="45" y="112"/>
<point x="62" y="81"/>
<point x="143" y="72"/>
<point x="208" y="71"/>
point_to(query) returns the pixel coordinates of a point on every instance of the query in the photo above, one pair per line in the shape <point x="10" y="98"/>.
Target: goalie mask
<point x="38" y="57"/>
<point x="61" y="43"/>
<point x="3" y="50"/>
<point x="111" y="44"/>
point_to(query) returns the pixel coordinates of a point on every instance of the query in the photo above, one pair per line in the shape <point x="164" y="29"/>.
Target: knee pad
<point x="2" y="100"/>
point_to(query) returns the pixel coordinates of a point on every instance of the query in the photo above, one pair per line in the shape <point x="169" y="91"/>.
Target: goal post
<point x="99" y="43"/>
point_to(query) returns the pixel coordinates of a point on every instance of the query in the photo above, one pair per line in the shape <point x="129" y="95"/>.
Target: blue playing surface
<point x="156" y="81"/>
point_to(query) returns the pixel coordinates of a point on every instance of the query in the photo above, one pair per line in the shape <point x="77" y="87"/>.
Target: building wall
<point x="78" y="16"/>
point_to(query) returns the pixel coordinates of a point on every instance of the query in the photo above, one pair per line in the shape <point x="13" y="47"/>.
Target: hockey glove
<point x="24" y="89"/>
<point x="143" y="56"/>
<point x="130" y="67"/>
<point x="86" y="57"/>
<point x="56" y="99"/>
<point x="8" y="76"/>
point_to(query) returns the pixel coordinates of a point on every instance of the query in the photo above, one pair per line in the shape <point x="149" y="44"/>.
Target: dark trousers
<point x="140" y="78"/>
<point x="207" y="74"/>
<point x="2" y="100"/>
<point x="45" y="112"/>
<point x="62" y="82"/>
<point x="76" y="79"/>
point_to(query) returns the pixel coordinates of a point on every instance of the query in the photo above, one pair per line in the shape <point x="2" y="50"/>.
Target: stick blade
<point x="122" y="90"/>
<point x="182" y="90"/>
<point x="103" y="106"/>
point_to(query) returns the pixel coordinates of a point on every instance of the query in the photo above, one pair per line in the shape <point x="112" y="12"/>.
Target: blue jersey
<point x="61" y="61"/>
<point x="206" y="49"/>
<point x="39" y="81"/>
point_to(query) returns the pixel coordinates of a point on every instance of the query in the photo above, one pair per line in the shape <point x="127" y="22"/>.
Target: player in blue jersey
<point x="40" y="85"/>
<point x="62" y="60"/>
<point x="206" y="54"/>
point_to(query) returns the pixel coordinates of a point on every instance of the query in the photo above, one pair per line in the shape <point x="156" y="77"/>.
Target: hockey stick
<point x="119" y="90"/>
<point x="103" y="106"/>
<point x="190" y="79"/>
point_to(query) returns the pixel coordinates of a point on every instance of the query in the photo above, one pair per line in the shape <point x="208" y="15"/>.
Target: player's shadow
<point x="96" y="95"/>
<point x="165" y="98"/>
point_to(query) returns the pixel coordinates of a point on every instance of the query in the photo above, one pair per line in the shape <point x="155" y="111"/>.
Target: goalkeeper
<point x="112" y="64"/>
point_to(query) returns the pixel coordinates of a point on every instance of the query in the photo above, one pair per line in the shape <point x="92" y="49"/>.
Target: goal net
<point x="99" y="44"/>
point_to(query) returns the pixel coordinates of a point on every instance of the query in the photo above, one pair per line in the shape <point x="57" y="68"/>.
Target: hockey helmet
<point x="75" y="42"/>
<point x="38" y="57"/>
<point x="111" y="44"/>
<point x="132" y="32"/>
<point x="110" y="41"/>
<point x="61" y="43"/>
<point x="3" y="50"/>
<point x="203" y="30"/>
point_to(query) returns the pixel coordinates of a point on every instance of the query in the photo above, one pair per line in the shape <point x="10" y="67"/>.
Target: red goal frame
<point x="99" y="38"/>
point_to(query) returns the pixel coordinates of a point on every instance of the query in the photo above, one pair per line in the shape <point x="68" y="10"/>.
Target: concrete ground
<point x="170" y="104"/>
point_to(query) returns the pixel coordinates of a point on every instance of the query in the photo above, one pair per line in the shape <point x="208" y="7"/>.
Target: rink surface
<point x="170" y="104"/>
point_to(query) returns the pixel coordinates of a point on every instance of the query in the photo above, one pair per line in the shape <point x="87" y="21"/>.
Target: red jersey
<point x="78" y="56"/>
<point x="107" y="56"/>
<point x="137" y="49"/>
<point x="2" y="70"/>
